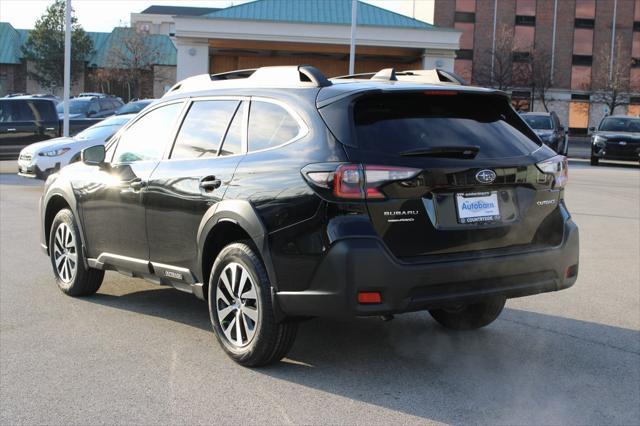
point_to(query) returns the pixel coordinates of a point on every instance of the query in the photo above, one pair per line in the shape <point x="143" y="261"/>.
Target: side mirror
<point x="592" y="129"/>
<point x="93" y="156"/>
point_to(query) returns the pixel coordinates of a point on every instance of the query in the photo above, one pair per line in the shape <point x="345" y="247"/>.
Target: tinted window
<point x="233" y="140"/>
<point x="538" y="122"/>
<point x="270" y="125"/>
<point x="620" y="124"/>
<point x="146" y="139"/>
<point x="406" y="122"/>
<point x="203" y="129"/>
<point x="14" y="111"/>
<point x="76" y="106"/>
<point x="45" y="110"/>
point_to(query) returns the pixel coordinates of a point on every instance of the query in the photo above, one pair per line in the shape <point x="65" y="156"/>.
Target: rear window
<point x="397" y="123"/>
<point x="539" y="122"/>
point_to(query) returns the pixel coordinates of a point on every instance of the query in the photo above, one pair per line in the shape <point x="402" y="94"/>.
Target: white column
<point x="192" y="57"/>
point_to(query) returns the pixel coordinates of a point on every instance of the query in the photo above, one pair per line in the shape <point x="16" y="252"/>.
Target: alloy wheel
<point x="237" y="304"/>
<point x="65" y="254"/>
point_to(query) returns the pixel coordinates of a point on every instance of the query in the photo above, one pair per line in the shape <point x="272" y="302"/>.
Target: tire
<point x="594" y="161"/>
<point x="67" y="258"/>
<point x="246" y="327"/>
<point x="470" y="317"/>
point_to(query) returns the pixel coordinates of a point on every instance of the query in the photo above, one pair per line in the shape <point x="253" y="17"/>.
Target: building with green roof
<point x="14" y="69"/>
<point x="315" y="32"/>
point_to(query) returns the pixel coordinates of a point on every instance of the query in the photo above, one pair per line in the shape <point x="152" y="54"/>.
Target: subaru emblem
<point x="486" y="176"/>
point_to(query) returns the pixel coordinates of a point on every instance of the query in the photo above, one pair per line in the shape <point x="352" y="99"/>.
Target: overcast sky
<point x="103" y="15"/>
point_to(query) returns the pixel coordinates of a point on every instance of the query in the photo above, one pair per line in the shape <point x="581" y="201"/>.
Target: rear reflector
<point x="369" y="297"/>
<point x="571" y="272"/>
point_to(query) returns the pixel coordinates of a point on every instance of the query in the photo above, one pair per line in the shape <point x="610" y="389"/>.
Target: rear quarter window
<point x="270" y="125"/>
<point x="396" y="123"/>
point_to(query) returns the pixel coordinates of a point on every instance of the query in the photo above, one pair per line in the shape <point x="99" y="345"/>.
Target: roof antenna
<point x="387" y="74"/>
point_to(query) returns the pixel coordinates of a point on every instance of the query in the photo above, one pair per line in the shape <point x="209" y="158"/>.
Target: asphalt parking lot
<point x="138" y="353"/>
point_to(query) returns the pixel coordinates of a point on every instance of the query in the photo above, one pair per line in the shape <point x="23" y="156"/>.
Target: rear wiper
<point x="454" y="151"/>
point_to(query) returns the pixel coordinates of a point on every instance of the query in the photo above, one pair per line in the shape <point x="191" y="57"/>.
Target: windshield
<point x="98" y="133"/>
<point x="76" y="106"/>
<point x="397" y="123"/>
<point x="540" y="122"/>
<point x="132" y="107"/>
<point x="620" y="124"/>
<point x="103" y="130"/>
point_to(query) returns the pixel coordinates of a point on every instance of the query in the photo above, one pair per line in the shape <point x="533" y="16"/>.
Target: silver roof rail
<point x="277" y="76"/>
<point x="436" y="75"/>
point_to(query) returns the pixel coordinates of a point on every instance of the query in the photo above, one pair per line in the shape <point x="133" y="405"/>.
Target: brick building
<point x="575" y="37"/>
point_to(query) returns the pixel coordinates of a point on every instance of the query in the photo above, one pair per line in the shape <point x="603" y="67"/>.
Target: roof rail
<point x="436" y="75"/>
<point x="277" y="76"/>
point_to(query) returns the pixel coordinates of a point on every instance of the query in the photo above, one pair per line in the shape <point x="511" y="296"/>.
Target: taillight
<point x="357" y="181"/>
<point x="558" y="167"/>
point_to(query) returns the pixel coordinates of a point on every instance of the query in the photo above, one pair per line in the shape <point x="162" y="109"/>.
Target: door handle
<point x="210" y="183"/>
<point x="137" y="184"/>
<point x="11" y="130"/>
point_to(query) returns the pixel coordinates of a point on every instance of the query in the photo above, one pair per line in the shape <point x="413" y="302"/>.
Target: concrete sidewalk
<point x="9" y="166"/>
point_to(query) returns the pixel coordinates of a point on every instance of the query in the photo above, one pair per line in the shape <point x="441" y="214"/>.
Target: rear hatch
<point x="450" y="172"/>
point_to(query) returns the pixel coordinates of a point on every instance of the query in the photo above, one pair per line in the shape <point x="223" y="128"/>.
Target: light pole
<point x="67" y="67"/>
<point x="352" y="49"/>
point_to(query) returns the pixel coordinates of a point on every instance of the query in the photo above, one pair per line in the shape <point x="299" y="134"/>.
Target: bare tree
<point x="132" y="56"/>
<point x="500" y="75"/>
<point x="615" y="92"/>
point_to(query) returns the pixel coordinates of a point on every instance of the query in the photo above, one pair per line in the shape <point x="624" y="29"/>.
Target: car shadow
<point x="526" y="367"/>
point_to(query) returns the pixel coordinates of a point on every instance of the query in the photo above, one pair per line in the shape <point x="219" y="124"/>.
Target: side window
<point x="233" y="140"/>
<point x="146" y="139"/>
<point x="203" y="129"/>
<point x="94" y="106"/>
<point x="270" y="125"/>
<point x="46" y="110"/>
<point x="27" y="112"/>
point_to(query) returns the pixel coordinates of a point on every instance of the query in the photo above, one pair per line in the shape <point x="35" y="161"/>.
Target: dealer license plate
<point x="478" y="207"/>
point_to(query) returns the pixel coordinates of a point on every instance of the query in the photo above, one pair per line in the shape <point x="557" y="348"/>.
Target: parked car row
<point x="40" y="159"/>
<point x="616" y="138"/>
<point x="26" y="119"/>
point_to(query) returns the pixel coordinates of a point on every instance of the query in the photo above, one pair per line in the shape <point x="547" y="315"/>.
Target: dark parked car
<point x="285" y="195"/>
<point x="547" y="126"/>
<point x="134" y="107"/>
<point x="25" y="120"/>
<point x="616" y="138"/>
<point x="88" y="110"/>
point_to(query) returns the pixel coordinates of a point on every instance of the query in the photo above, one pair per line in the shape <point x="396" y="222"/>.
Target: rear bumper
<point x="363" y="264"/>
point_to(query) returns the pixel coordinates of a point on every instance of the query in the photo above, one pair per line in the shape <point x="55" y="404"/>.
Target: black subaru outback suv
<point x="277" y="194"/>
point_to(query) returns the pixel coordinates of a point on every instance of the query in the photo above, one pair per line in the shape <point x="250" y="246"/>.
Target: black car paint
<point x="153" y="220"/>
<point x="15" y="135"/>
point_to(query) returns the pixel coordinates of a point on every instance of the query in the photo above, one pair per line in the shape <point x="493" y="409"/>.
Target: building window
<point x="584" y="60"/>
<point x="466" y="39"/>
<point x="529" y="21"/>
<point x="465" y="5"/>
<point x="464" y="54"/>
<point x="578" y="116"/>
<point x="582" y="42"/>
<point x="586" y="9"/>
<point x="521" y="100"/>
<point x="580" y="77"/>
<point x="464" y="17"/>
<point x="521" y="56"/>
<point x="584" y="23"/>
<point x="580" y="97"/>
